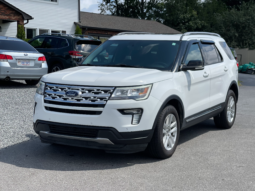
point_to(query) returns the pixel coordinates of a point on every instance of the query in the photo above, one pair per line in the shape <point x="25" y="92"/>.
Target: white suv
<point x="136" y="92"/>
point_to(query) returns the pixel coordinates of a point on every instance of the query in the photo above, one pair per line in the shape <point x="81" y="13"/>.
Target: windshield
<point x="134" y="53"/>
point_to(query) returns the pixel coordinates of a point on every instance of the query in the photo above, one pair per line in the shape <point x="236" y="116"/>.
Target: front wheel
<point x="55" y="68"/>
<point x="166" y="134"/>
<point x="226" y="118"/>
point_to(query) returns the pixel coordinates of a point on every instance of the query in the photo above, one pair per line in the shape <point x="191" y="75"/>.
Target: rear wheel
<point x="166" y="134"/>
<point x="226" y="118"/>
<point x="55" y="68"/>
<point x="32" y="82"/>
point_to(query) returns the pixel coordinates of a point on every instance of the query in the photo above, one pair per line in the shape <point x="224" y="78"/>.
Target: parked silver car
<point x="20" y="61"/>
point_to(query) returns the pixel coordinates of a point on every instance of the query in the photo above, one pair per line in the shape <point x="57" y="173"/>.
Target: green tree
<point x="143" y="9"/>
<point x="21" y="32"/>
<point x="78" y="30"/>
<point x="183" y="15"/>
<point x="237" y="26"/>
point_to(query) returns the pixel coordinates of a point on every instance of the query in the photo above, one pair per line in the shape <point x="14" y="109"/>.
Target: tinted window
<point x="37" y="43"/>
<point x="87" y="48"/>
<point x="16" y="45"/>
<point x="227" y="50"/>
<point x="194" y="54"/>
<point x="51" y="42"/>
<point x="136" y="53"/>
<point x="62" y="43"/>
<point x="211" y="54"/>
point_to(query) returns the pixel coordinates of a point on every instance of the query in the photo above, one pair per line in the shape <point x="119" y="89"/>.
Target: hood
<point x="106" y="76"/>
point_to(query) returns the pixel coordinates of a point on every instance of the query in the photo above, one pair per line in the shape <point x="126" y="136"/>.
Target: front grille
<point x="89" y="96"/>
<point x="72" y="111"/>
<point x="73" y="131"/>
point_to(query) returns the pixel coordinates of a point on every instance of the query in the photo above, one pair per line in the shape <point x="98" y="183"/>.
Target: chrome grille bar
<point x="89" y="95"/>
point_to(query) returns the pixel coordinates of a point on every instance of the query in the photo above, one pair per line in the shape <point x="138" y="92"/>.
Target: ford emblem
<point x="73" y="93"/>
<point x="25" y="54"/>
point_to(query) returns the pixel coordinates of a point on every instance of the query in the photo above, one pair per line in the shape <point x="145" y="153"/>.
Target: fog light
<point x="136" y="114"/>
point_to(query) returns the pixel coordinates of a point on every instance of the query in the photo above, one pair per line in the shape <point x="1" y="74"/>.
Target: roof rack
<point x="82" y="36"/>
<point x="201" y="33"/>
<point x="56" y="34"/>
<point x="131" y="33"/>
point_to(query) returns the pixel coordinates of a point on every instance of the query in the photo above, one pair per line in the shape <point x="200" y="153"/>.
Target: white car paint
<point x="198" y="90"/>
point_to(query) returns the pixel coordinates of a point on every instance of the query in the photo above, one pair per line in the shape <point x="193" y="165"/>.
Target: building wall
<point x="49" y="16"/>
<point x="246" y="55"/>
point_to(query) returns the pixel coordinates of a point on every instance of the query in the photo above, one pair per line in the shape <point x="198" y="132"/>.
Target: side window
<point x="62" y="43"/>
<point x="194" y="54"/>
<point x="227" y="50"/>
<point x="211" y="54"/>
<point x="37" y="43"/>
<point x="51" y="42"/>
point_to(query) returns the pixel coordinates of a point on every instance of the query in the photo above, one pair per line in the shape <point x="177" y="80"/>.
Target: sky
<point x="90" y="5"/>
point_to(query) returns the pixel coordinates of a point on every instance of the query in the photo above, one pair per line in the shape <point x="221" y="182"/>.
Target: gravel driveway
<point x="207" y="158"/>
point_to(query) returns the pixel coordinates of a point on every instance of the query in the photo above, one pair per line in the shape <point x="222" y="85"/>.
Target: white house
<point x="45" y="16"/>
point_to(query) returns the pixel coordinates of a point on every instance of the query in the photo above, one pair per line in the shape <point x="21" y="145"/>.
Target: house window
<point x="31" y="33"/>
<point x="55" y="32"/>
<point x="42" y="31"/>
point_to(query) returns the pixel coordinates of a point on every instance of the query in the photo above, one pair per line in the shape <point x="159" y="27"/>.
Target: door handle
<point x="206" y="74"/>
<point x="225" y="69"/>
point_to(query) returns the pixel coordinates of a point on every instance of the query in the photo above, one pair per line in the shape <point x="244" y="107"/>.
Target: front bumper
<point x="114" y="128"/>
<point x="106" y="138"/>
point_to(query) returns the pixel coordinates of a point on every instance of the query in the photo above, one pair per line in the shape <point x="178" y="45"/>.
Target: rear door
<point x="21" y="54"/>
<point x="196" y="83"/>
<point x="218" y="70"/>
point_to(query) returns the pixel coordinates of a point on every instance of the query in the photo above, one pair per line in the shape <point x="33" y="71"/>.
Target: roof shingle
<point x="118" y="23"/>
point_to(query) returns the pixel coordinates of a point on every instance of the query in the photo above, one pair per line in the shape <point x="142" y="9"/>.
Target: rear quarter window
<point x="16" y="45"/>
<point x="85" y="46"/>
<point x="227" y="50"/>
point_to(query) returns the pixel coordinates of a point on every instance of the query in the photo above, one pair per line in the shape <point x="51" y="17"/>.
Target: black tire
<point x="250" y="71"/>
<point x="32" y="82"/>
<point x="221" y="120"/>
<point x="156" y="147"/>
<point x="55" y="68"/>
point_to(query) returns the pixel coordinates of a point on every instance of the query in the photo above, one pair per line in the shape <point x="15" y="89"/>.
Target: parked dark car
<point x="63" y="50"/>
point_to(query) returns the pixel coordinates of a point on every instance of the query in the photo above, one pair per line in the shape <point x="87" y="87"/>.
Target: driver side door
<point x="196" y="87"/>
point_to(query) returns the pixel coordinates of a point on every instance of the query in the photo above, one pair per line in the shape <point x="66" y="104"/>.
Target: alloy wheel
<point x="169" y="131"/>
<point x="231" y="109"/>
<point x="55" y="69"/>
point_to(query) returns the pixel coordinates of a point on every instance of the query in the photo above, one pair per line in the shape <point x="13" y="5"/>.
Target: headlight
<point x="40" y="88"/>
<point x="136" y="93"/>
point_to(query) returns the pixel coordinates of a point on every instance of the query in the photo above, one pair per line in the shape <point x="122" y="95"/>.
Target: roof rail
<point x="82" y="36"/>
<point x="56" y="34"/>
<point x="201" y="33"/>
<point x="131" y="33"/>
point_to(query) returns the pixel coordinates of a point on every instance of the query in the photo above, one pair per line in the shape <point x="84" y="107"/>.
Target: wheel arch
<point x="234" y="87"/>
<point x="175" y="101"/>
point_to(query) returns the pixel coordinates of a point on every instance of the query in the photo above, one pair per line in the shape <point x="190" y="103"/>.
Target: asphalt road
<point x="206" y="158"/>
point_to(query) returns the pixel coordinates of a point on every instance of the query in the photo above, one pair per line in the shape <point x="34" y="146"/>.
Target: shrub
<point x="78" y="30"/>
<point x="21" y="32"/>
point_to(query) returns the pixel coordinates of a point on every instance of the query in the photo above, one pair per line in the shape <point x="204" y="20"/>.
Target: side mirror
<point x="192" y="65"/>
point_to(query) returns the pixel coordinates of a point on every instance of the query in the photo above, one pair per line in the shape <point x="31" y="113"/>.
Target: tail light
<point x="237" y="64"/>
<point x="75" y="54"/>
<point x="42" y="58"/>
<point x="5" y="58"/>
